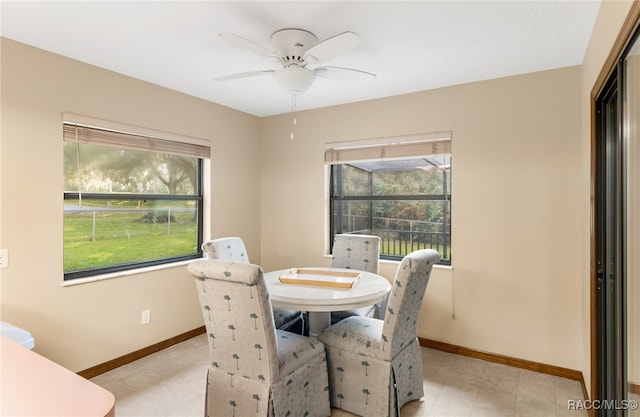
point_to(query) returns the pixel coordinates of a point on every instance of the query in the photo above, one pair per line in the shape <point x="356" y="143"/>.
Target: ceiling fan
<point x="298" y="52"/>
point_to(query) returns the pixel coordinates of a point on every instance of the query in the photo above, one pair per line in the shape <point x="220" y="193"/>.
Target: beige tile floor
<point x="171" y="383"/>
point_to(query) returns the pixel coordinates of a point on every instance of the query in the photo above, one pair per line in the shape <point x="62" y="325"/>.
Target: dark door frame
<point x="610" y="245"/>
<point x="609" y="69"/>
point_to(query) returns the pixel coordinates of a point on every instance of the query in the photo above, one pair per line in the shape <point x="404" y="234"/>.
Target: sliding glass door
<point x="609" y="245"/>
<point x="617" y="237"/>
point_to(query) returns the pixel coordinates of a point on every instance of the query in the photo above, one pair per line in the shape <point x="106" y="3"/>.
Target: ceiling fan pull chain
<point x="293" y="112"/>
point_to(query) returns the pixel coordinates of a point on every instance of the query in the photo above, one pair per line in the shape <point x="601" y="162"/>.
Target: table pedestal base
<point x="318" y="321"/>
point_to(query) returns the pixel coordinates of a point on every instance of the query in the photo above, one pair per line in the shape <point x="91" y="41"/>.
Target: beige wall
<point x="85" y="325"/>
<point x="521" y="203"/>
<point x="608" y="24"/>
<point x="516" y="205"/>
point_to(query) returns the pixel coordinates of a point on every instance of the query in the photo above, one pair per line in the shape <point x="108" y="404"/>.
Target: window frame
<point x="366" y="150"/>
<point x="198" y="197"/>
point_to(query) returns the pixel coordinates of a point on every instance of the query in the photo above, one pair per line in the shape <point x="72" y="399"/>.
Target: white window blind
<point x="81" y="129"/>
<point x="399" y="147"/>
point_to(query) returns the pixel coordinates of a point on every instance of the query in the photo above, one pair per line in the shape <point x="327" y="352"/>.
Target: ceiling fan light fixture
<point x="294" y="79"/>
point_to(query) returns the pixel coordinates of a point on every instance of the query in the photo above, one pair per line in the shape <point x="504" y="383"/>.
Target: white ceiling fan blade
<point x="331" y="47"/>
<point x="243" y="75"/>
<point x="243" y="43"/>
<point x="340" y="73"/>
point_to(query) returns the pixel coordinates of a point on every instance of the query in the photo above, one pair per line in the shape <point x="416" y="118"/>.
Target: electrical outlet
<point x="146" y="317"/>
<point x="4" y="258"/>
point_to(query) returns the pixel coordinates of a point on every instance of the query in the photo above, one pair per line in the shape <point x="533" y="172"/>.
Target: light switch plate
<point x="146" y="317"/>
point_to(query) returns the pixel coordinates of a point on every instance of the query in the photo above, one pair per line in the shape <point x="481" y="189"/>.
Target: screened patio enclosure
<point x="407" y="202"/>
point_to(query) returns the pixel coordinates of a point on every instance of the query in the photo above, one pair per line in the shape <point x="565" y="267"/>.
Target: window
<point x="131" y="200"/>
<point x="396" y="188"/>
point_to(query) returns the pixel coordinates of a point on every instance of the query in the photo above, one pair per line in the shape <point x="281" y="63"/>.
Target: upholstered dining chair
<point x="254" y="368"/>
<point x="375" y="365"/>
<point x="361" y="252"/>
<point x="233" y="249"/>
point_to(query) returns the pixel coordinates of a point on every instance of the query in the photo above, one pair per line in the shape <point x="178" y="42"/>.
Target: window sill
<point x="80" y="281"/>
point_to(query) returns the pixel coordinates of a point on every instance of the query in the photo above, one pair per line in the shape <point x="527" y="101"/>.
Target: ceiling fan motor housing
<point x="291" y="45"/>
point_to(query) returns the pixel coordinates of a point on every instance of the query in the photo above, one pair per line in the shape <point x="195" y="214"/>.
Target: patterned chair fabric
<point x="360" y="252"/>
<point x="233" y="249"/>
<point x="228" y="248"/>
<point x="255" y="369"/>
<point x="375" y="366"/>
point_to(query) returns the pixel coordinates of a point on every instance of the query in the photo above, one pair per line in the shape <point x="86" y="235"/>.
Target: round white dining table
<point x="320" y="301"/>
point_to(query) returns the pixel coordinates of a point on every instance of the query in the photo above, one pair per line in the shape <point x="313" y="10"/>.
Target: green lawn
<point x="124" y="237"/>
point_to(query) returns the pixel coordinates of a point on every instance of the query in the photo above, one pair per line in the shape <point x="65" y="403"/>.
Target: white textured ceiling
<point x="411" y="46"/>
